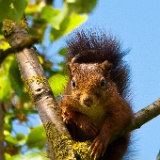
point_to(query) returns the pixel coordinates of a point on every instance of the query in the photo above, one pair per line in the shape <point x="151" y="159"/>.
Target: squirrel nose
<point x="87" y="101"/>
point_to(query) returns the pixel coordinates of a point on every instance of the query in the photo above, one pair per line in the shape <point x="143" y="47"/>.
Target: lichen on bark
<point x="65" y="148"/>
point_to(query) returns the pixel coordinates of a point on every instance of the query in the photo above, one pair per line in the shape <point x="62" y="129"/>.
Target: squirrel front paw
<point x="99" y="146"/>
<point x="86" y="125"/>
<point x="67" y="118"/>
<point x="82" y="121"/>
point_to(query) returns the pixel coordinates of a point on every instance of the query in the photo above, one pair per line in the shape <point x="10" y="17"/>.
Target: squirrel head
<point x="90" y="83"/>
<point x="85" y="47"/>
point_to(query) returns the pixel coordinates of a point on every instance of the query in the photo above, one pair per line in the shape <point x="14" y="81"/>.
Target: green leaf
<point x="12" y="9"/>
<point x="21" y="138"/>
<point x="5" y="87"/>
<point x="68" y="24"/>
<point x="37" y="138"/>
<point x="31" y="8"/>
<point x="11" y="140"/>
<point x="10" y="79"/>
<point x="7" y="156"/>
<point x="30" y="156"/>
<point x="15" y="78"/>
<point x="8" y="122"/>
<point x="57" y="83"/>
<point x="80" y="6"/>
<point x="53" y="16"/>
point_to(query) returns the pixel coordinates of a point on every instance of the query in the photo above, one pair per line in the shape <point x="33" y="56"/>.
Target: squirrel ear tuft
<point x="106" y="66"/>
<point x="71" y="67"/>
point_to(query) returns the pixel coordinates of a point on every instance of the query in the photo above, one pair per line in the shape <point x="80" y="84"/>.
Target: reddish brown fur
<point x="94" y="106"/>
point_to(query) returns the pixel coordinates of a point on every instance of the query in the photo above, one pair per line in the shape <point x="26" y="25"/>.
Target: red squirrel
<point x="94" y="104"/>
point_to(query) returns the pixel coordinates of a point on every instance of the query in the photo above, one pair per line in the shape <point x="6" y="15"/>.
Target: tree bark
<point x="145" y="115"/>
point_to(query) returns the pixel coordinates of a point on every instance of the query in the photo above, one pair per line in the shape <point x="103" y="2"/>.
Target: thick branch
<point x="37" y="85"/>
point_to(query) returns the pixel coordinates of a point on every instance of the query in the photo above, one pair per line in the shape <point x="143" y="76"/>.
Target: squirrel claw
<point x="98" y="147"/>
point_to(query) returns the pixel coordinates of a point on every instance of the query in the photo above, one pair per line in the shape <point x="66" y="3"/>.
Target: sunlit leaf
<point x="10" y="78"/>
<point x="81" y="6"/>
<point x="21" y="138"/>
<point x="7" y="63"/>
<point x="15" y="78"/>
<point x="68" y="25"/>
<point x="7" y="156"/>
<point x="57" y="83"/>
<point x="37" y="138"/>
<point x="5" y="87"/>
<point x="31" y="8"/>
<point x="11" y="140"/>
<point x="53" y="16"/>
<point x="4" y="44"/>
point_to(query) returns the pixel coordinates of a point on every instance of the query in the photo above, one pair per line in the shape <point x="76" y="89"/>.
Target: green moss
<point x="82" y="149"/>
<point x="146" y="109"/>
<point x="8" y="26"/>
<point x="64" y="147"/>
<point x="61" y="143"/>
<point x="23" y="23"/>
<point x="37" y="79"/>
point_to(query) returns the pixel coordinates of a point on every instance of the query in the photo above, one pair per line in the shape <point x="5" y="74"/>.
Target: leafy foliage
<point x="82" y="7"/>
<point x="57" y="83"/>
<point x="37" y="140"/>
<point x="12" y="9"/>
<point x="42" y="18"/>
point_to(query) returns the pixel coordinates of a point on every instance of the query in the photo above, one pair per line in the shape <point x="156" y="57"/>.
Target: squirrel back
<point x="86" y="47"/>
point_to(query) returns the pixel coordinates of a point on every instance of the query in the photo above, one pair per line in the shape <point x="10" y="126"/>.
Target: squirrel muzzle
<point x="86" y="100"/>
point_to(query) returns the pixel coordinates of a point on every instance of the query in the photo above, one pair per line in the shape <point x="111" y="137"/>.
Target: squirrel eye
<point x="103" y="82"/>
<point x="73" y="84"/>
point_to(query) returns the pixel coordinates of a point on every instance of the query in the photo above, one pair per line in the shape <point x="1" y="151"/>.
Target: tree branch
<point x="145" y="115"/>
